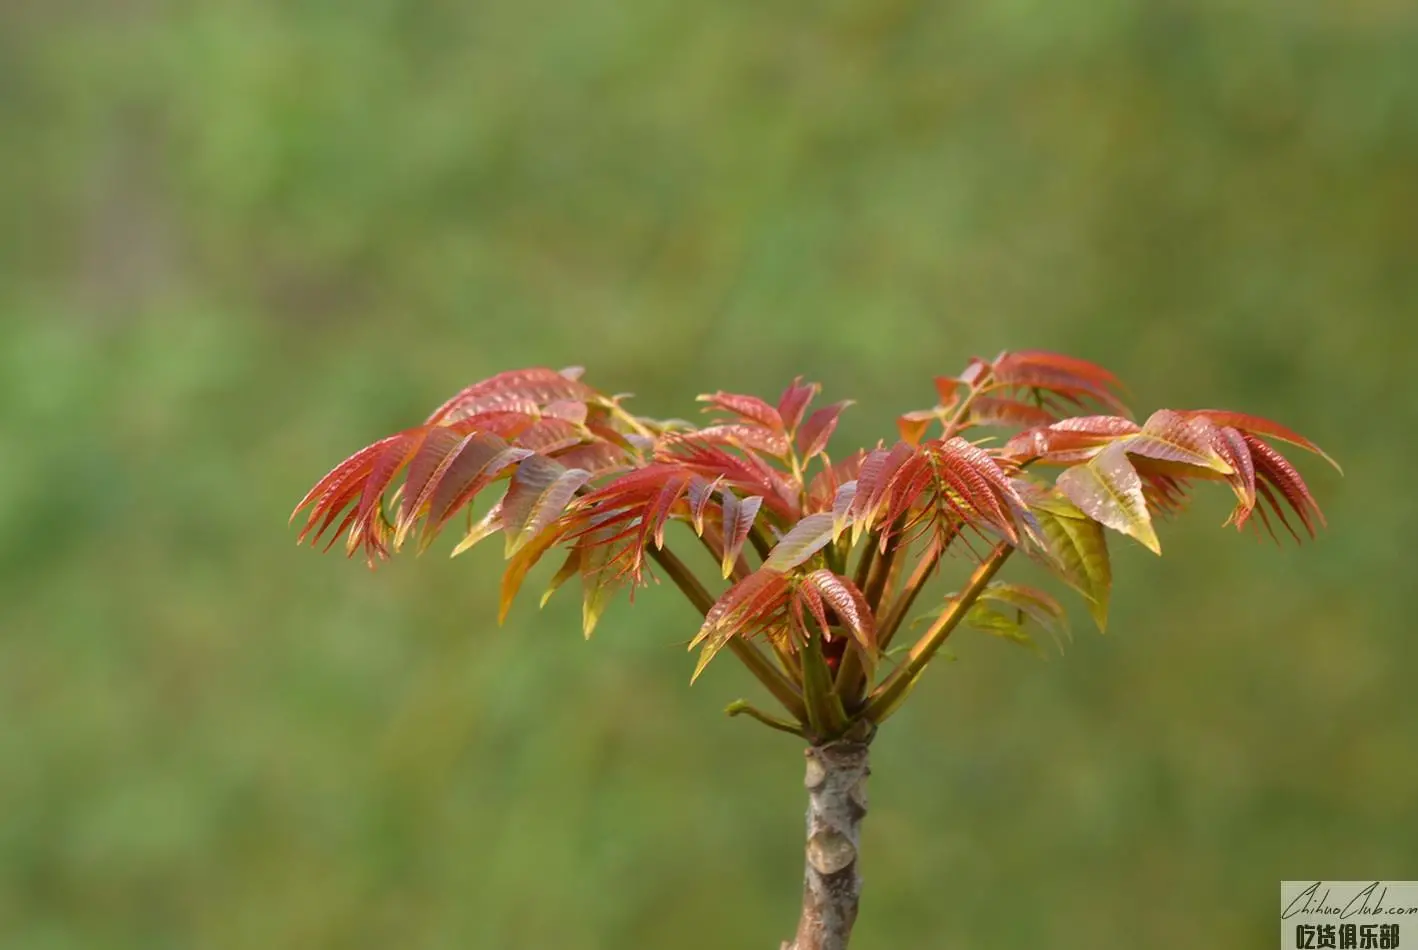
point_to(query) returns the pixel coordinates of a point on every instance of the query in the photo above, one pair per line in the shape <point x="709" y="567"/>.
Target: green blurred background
<point x="242" y="239"/>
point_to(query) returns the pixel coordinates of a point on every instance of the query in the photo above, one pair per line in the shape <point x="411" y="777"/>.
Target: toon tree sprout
<point x="814" y="560"/>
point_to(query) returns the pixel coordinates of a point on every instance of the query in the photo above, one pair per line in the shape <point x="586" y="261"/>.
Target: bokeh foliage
<point x="242" y="239"/>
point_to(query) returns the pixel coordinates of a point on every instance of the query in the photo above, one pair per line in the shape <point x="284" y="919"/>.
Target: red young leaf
<point x="794" y="402"/>
<point x="628" y="511"/>
<point x="1062" y="375"/>
<point x="701" y="492"/>
<point x="848" y="604"/>
<point x="806" y="598"/>
<point x="1259" y="426"/>
<point x="437" y="448"/>
<point x="1081" y="369"/>
<point x="817" y="430"/>
<point x="874" y="481"/>
<point x="825" y="484"/>
<point x="537" y="386"/>
<point x="657" y="513"/>
<point x="341" y="486"/>
<point x="947" y="387"/>
<point x="1231" y="446"/>
<point x="756" y="603"/>
<point x="550" y="436"/>
<point x="746" y="472"/>
<point x="595" y="457"/>
<point x="1069" y="441"/>
<point x="914" y="424"/>
<point x="948" y="482"/>
<point x="999" y="411"/>
<point x="1272" y="469"/>
<point x="750" y="408"/>
<point x="387" y="465"/>
<point x="746" y="436"/>
<point x="352" y="469"/>
<point x="568" y="410"/>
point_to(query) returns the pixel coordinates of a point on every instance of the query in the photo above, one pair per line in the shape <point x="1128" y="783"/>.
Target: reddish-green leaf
<point x="1169" y="436"/>
<point x="1109" y="490"/>
<point x="537" y="496"/>
<point x="842" y="508"/>
<point x="571" y="567"/>
<point x="518" y="566"/>
<point x="469" y="469"/>
<point x="823" y="489"/>
<point x="802" y="541"/>
<point x="737" y="522"/>
<point x="485" y="527"/>
<point x="598" y="578"/>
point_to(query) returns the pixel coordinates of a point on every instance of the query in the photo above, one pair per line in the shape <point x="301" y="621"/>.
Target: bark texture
<point x="837" y="802"/>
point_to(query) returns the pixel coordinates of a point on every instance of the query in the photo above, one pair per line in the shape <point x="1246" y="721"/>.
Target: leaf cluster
<point x="818" y="559"/>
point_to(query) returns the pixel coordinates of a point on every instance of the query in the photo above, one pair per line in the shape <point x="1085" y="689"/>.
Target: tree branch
<point x="888" y="695"/>
<point x="759" y="665"/>
<point x="896" y="613"/>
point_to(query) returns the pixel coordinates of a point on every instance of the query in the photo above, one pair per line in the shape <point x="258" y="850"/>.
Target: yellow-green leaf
<point x="1078" y="550"/>
<point x="1108" y="489"/>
